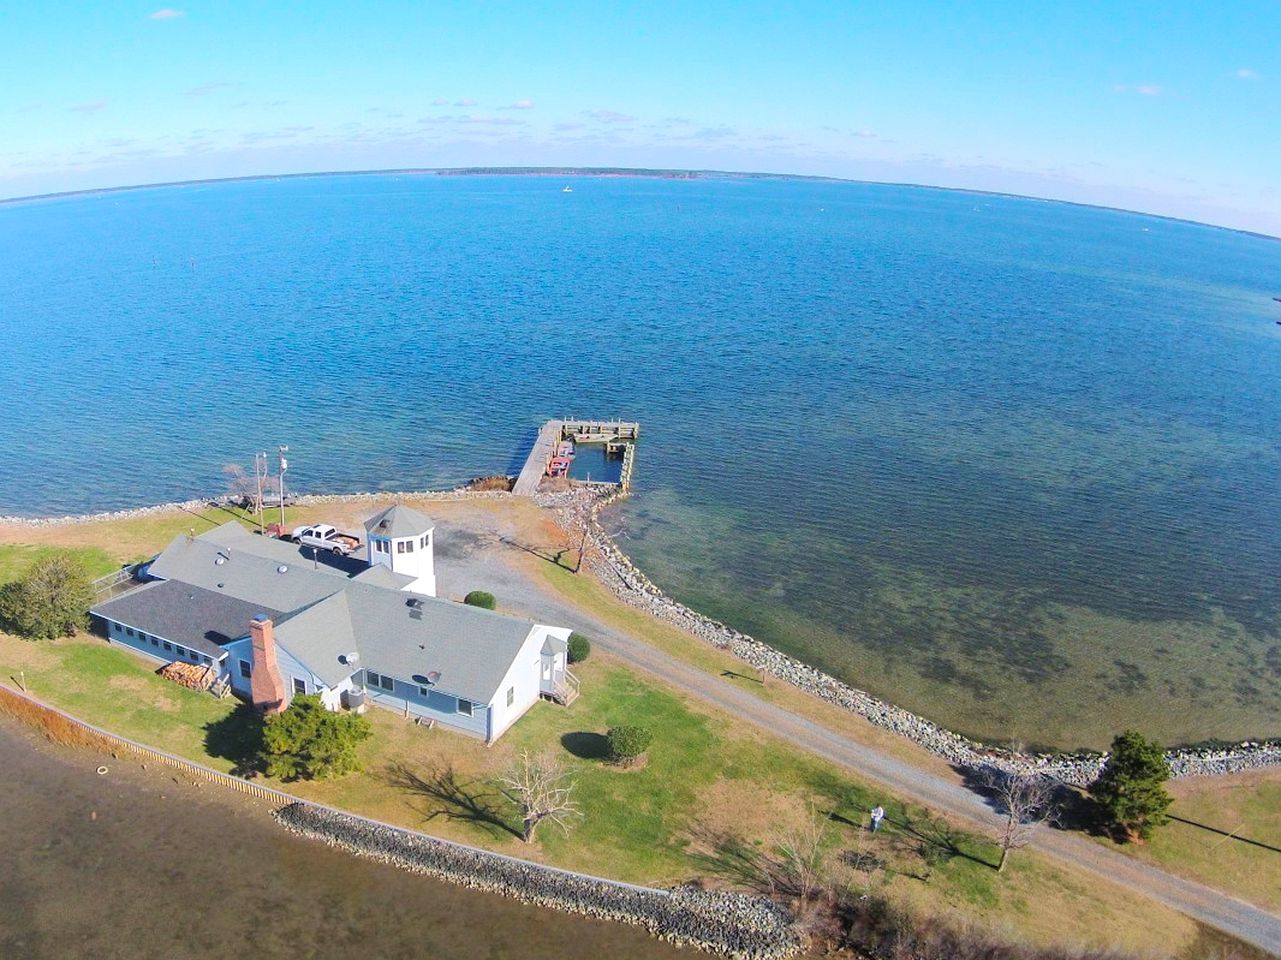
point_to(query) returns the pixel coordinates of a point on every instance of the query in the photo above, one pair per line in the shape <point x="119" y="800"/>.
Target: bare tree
<point x="542" y="789"/>
<point x="802" y="860"/>
<point x="241" y="486"/>
<point x="1026" y="802"/>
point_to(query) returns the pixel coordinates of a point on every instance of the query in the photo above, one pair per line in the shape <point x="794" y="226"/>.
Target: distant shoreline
<point x="643" y="173"/>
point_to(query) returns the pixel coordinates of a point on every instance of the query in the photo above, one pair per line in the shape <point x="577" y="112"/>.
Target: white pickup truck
<point x="322" y="536"/>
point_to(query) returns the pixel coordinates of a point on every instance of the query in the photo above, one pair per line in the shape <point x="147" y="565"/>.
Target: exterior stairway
<point x="565" y="692"/>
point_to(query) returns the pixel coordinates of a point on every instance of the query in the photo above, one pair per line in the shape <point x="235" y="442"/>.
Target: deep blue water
<point x="1011" y="463"/>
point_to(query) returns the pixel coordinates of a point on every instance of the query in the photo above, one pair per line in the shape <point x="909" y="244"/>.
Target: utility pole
<point x="284" y="465"/>
<point x="260" y="475"/>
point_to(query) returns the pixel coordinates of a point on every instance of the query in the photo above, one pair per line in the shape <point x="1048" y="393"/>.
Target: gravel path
<point x="471" y="559"/>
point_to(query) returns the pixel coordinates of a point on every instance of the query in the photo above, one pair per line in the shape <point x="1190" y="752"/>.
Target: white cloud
<point x="519" y="105"/>
<point x="440" y="102"/>
<point x="608" y="116"/>
<point x="492" y="121"/>
<point x="166" y="13"/>
<point x="465" y="102"/>
<point x="1245" y="73"/>
<point x="1143" y="89"/>
<point x="92" y="107"/>
<point x="866" y="134"/>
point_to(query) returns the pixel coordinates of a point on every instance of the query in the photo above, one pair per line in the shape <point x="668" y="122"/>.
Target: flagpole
<point x="284" y="465"/>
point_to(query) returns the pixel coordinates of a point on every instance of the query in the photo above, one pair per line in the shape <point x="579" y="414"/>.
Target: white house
<point x="273" y="622"/>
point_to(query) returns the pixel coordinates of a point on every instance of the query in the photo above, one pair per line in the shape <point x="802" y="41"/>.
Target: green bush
<point x="580" y="648"/>
<point x="480" y="598"/>
<point x="308" y="741"/>
<point x="51" y="599"/>
<point x="628" y="744"/>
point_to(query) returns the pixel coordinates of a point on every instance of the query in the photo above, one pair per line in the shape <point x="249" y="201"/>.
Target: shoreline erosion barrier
<point x="723" y="922"/>
<point x="622" y="577"/>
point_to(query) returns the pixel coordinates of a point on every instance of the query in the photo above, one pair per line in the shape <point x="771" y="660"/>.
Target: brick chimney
<point x="266" y="688"/>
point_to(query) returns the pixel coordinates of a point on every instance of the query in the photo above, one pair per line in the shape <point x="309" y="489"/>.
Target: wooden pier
<point x="609" y="432"/>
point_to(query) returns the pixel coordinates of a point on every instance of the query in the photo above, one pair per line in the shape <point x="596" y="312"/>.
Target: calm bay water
<point x="1009" y="463"/>
<point x="135" y="866"/>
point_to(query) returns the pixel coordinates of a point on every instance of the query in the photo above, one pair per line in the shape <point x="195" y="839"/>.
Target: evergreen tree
<point x="50" y="600"/>
<point x="306" y="741"/>
<point x="1130" y="791"/>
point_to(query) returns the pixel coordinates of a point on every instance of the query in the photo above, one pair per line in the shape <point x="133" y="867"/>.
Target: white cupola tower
<point x="400" y="538"/>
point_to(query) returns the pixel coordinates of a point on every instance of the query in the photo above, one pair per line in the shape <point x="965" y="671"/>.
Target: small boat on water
<point x="568" y="189"/>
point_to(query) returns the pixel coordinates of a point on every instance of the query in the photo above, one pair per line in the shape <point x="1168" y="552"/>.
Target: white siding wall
<point x="523" y="678"/>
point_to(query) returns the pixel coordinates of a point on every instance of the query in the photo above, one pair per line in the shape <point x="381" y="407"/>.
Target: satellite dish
<point x="428" y="680"/>
<point x="282" y="568"/>
<point x="349" y="658"/>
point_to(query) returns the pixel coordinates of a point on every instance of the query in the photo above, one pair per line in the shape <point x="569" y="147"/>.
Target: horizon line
<point x="601" y="171"/>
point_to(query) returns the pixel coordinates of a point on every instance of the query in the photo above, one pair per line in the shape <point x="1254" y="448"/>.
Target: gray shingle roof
<point x="381" y="575"/>
<point x="248" y="567"/>
<point x="186" y="614"/>
<point x="318" y="635"/>
<point x="471" y="649"/>
<point x="398" y="521"/>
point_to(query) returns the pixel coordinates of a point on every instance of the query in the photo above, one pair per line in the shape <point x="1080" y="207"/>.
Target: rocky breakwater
<point x="302" y="500"/>
<point x="577" y="507"/>
<point x="729" y="924"/>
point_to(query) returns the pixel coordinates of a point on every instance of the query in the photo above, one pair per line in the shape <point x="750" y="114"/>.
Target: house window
<point x="128" y="631"/>
<point x="179" y="651"/>
<point x="244" y="669"/>
<point x="465" y="707"/>
<point x="300" y="686"/>
<point x="155" y="642"/>
<point x="423" y="692"/>
<point x="371" y="678"/>
<point x="386" y="682"/>
<point x="422" y="542"/>
<point x="168" y="645"/>
<point x="511" y="696"/>
<point x="205" y="660"/>
<point x="382" y="546"/>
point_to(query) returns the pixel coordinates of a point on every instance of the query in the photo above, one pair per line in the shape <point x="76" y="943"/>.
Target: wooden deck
<point x="554" y="431"/>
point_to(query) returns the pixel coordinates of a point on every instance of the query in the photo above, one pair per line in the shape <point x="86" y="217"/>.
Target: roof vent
<point x="282" y="568"/>
<point x="219" y="560"/>
<point x="413" y="602"/>
<point x="349" y="658"/>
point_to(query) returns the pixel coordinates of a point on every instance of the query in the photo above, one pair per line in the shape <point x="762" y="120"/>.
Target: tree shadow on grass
<point x="935" y="841"/>
<point x="586" y="745"/>
<point x="237" y="737"/>
<point x="730" y="856"/>
<point x="454" y="799"/>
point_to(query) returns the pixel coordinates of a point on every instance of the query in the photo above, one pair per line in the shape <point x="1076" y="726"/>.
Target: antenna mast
<point x="284" y="465"/>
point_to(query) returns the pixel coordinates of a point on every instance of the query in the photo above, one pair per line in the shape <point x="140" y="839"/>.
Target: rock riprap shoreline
<point x="576" y="507"/>
<point x="730" y="924"/>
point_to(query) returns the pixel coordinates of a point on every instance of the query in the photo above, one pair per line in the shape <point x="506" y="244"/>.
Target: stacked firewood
<point x="193" y="676"/>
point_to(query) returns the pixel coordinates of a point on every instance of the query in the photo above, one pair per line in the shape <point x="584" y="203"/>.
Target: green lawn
<point x="1225" y="830"/>
<point x="15" y="558"/>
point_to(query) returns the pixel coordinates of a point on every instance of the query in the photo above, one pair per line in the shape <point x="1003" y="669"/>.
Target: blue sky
<point x="1171" y="108"/>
